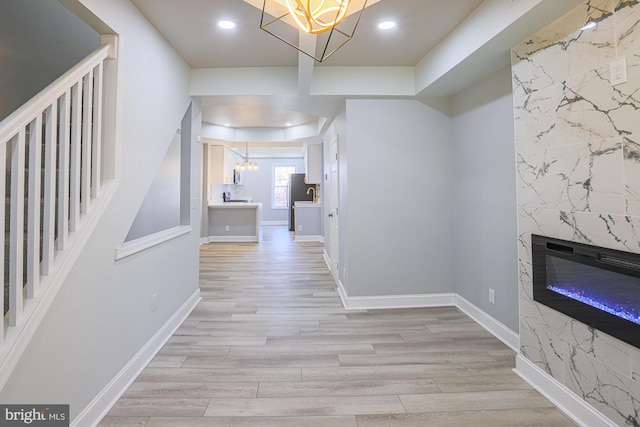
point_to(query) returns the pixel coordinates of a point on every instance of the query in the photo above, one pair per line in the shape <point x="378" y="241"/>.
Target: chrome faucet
<point x="314" y="192"/>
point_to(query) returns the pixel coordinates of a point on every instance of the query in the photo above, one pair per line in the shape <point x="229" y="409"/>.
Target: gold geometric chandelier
<point x="332" y="23"/>
<point x="317" y="16"/>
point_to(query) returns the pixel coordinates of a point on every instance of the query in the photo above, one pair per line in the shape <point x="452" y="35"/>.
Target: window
<point x="281" y="173"/>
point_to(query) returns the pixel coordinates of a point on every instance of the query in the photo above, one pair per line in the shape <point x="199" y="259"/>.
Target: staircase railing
<point x="56" y="163"/>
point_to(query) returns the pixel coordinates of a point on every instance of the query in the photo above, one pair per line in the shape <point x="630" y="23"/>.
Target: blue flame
<point x="622" y="310"/>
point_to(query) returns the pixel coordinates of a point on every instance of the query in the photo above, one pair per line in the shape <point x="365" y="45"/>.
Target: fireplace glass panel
<point x="592" y="286"/>
<point x="597" y="286"/>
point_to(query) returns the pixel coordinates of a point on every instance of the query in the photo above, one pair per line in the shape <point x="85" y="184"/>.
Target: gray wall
<point x="400" y="167"/>
<point x="160" y="209"/>
<point x="484" y="197"/>
<point x="421" y="191"/>
<point x="39" y="41"/>
<point x="257" y="184"/>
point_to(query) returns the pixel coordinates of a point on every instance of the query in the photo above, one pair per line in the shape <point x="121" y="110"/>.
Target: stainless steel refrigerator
<point x="297" y="192"/>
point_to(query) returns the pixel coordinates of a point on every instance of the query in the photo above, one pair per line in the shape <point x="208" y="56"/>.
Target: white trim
<point x="146" y="242"/>
<point x="342" y="292"/>
<point x="308" y="239"/>
<point x="327" y="261"/>
<point x="497" y="329"/>
<point x="232" y="239"/>
<point x="396" y="301"/>
<point x="337" y="281"/>
<point x="325" y="256"/>
<point x="104" y="401"/>
<point x="17" y="339"/>
<point x="204" y="241"/>
<point x="268" y="223"/>
<point x="284" y="164"/>
<point x="561" y="396"/>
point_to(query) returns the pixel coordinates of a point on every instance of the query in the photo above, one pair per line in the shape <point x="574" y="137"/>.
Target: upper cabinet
<point x="313" y="164"/>
<point x="222" y="161"/>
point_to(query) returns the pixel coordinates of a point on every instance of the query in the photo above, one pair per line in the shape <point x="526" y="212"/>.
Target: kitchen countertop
<point x="235" y="205"/>
<point x="307" y="204"/>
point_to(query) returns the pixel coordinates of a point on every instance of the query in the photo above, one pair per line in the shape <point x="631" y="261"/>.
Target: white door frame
<point x="334" y="201"/>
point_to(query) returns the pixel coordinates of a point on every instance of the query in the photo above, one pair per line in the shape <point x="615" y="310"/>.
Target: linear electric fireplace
<point x="599" y="287"/>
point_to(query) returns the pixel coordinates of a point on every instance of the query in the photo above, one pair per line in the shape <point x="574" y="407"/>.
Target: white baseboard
<point x="104" y="401"/>
<point x="232" y="239"/>
<point x="325" y="256"/>
<point x="342" y="292"/>
<point x="496" y="328"/>
<point x="561" y="396"/>
<point x="307" y="239"/>
<point x="268" y="223"/>
<point x="395" y="301"/>
<point x="327" y="261"/>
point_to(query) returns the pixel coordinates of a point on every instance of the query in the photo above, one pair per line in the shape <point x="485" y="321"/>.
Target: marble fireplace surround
<point x="578" y="179"/>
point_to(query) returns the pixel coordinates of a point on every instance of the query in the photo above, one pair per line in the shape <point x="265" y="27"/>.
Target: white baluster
<point x="16" y="245"/>
<point x="74" y="156"/>
<point x="33" y="211"/>
<point x="87" y="135"/>
<point x="63" y="171"/>
<point x="96" y="153"/>
<point x="49" y="202"/>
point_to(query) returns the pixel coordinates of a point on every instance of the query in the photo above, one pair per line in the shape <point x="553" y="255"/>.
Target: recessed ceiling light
<point x="227" y="124"/>
<point x="386" y="25"/>
<point x="226" y="25"/>
<point x="287" y="124"/>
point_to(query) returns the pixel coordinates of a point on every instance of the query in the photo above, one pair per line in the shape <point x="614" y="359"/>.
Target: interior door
<point x="334" y="223"/>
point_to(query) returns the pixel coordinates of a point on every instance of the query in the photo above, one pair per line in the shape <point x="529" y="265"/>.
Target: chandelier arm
<point x="315" y="17"/>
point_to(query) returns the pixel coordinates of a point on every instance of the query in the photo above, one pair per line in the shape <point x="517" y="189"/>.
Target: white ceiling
<point x="438" y="48"/>
<point x="254" y="116"/>
<point x="190" y="26"/>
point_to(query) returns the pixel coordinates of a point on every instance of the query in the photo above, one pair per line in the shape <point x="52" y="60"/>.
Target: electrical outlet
<point x="194" y="203"/>
<point x="154" y="302"/>
<point x="299" y="228"/>
<point x="226" y="228"/>
<point x="618" y="72"/>
<point x="492" y="296"/>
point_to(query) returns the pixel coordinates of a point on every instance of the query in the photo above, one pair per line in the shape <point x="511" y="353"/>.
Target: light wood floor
<point x="271" y="345"/>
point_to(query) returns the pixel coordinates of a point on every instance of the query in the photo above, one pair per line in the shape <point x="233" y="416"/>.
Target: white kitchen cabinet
<point x="313" y="164"/>
<point x="222" y="161"/>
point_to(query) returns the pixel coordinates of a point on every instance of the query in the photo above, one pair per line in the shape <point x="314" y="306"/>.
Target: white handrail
<point x="23" y="115"/>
